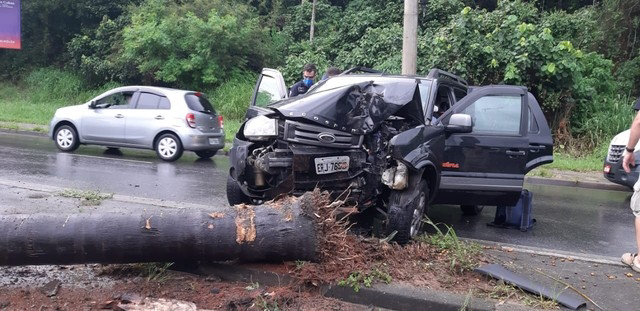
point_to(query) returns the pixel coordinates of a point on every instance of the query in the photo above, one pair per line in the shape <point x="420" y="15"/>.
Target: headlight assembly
<point x="260" y="128"/>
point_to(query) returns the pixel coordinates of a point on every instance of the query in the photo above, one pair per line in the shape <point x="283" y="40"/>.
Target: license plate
<point x="607" y="169"/>
<point x="330" y="165"/>
<point x="214" y="141"/>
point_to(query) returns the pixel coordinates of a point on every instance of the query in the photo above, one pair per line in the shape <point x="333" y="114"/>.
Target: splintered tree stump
<point x="277" y="231"/>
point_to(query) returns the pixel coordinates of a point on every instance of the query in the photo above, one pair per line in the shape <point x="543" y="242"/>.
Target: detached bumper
<point x="614" y="172"/>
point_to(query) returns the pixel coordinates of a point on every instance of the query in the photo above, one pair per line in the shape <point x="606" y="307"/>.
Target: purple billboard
<point x="10" y="24"/>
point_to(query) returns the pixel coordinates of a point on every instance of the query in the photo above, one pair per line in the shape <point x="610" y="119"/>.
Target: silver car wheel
<point x="417" y="214"/>
<point x="65" y="138"/>
<point x="167" y="147"/>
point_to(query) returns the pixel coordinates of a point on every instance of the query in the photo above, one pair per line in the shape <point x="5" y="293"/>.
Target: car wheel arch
<point x="431" y="175"/>
<point x="159" y="134"/>
<point x="63" y="123"/>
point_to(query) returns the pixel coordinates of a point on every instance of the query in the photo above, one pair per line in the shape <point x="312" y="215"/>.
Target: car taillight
<point x="221" y="121"/>
<point x="191" y="120"/>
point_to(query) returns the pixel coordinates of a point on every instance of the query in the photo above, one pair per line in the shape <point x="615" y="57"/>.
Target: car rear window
<point x="199" y="103"/>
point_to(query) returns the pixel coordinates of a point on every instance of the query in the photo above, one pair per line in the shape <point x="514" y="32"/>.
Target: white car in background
<point x="166" y="120"/>
<point x="612" y="168"/>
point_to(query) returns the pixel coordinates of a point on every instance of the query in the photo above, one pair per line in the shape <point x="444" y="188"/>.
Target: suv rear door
<point x="488" y="165"/>
<point x="269" y="88"/>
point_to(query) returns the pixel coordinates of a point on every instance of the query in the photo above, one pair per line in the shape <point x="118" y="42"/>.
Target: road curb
<point x="579" y="184"/>
<point x="388" y="296"/>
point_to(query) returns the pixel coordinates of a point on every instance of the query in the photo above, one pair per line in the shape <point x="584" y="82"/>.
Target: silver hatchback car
<point x="166" y="120"/>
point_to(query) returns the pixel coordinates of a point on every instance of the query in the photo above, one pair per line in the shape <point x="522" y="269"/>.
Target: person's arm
<point x="628" y="158"/>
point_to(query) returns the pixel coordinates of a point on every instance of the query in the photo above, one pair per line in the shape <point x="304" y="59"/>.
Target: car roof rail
<point x="361" y="69"/>
<point x="436" y="73"/>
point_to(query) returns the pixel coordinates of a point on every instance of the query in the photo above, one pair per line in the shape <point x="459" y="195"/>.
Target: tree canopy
<point x="579" y="57"/>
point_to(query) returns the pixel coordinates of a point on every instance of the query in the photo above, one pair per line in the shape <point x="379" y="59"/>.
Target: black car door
<point x="540" y="140"/>
<point x="487" y="166"/>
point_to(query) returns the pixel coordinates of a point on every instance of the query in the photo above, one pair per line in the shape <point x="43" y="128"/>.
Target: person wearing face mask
<point x="308" y="76"/>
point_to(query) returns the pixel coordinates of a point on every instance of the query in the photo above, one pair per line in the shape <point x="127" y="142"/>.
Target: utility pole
<point x="313" y="21"/>
<point x="410" y="37"/>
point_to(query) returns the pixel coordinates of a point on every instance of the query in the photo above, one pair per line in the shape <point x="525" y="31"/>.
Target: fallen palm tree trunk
<point x="276" y="231"/>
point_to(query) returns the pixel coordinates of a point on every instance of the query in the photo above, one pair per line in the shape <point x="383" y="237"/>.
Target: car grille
<point x="615" y="152"/>
<point x="308" y="134"/>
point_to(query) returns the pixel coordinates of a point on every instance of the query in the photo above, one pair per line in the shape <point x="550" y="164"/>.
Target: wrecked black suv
<point x="389" y="144"/>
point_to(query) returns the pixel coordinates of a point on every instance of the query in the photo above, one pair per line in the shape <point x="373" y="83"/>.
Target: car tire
<point x="206" y="154"/>
<point x="234" y="193"/>
<point x="168" y="147"/>
<point x="471" y="210"/>
<point x="407" y="220"/>
<point x="66" y="138"/>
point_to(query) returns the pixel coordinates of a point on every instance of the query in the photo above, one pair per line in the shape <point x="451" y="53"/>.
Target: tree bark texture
<point x="266" y="233"/>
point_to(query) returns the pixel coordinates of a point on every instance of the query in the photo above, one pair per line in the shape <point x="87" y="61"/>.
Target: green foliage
<point x="463" y="256"/>
<point x="97" y="55"/>
<point x="195" y="44"/>
<point x="54" y="84"/>
<point x="232" y="98"/>
<point x="356" y="279"/>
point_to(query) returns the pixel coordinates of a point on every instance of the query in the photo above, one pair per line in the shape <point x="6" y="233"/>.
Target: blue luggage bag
<point x="519" y="216"/>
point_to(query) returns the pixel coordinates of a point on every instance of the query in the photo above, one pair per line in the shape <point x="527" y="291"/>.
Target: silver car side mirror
<point x="459" y="123"/>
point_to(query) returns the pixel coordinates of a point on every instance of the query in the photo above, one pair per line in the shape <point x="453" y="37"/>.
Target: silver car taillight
<point x="221" y="121"/>
<point x="191" y="120"/>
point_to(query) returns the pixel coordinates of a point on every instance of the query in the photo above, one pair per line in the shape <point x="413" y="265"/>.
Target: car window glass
<point x="198" y="102"/>
<point x="164" y="103"/>
<point x="120" y="100"/>
<point x="442" y="100"/>
<point x="268" y="91"/>
<point x="459" y="94"/>
<point x="148" y="101"/>
<point x="533" y="123"/>
<point x="424" y="92"/>
<point x="496" y="114"/>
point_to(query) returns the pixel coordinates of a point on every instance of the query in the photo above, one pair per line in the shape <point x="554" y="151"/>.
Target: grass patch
<point x="462" y="255"/>
<point x="86" y="197"/>
<point x="357" y="279"/>
<point x="230" y="129"/>
<point x="583" y="163"/>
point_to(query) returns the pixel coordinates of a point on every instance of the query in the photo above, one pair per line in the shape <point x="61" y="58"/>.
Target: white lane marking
<point x="550" y="252"/>
<point x="116" y="197"/>
<point x="105" y="158"/>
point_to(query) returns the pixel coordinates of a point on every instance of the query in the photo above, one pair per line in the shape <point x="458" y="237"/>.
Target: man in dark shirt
<point x="636" y="106"/>
<point x="308" y="75"/>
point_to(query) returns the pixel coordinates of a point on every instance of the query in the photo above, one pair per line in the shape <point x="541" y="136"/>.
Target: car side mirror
<point x="92" y="105"/>
<point x="459" y="123"/>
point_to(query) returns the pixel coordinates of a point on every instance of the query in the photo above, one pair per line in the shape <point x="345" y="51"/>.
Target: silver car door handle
<point x="119" y="116"/>
<point x="159" y="118"/>
<point x="515" y="153"/>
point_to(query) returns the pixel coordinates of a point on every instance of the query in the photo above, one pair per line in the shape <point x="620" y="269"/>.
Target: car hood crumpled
<point x="357" y="108"/>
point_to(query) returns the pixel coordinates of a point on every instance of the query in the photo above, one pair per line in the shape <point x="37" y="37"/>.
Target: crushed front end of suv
<point x="375" y="141"/>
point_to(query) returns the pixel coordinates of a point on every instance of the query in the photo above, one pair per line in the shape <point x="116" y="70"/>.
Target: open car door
<point x="509" y="138"/>
<point x="269" y="88"/>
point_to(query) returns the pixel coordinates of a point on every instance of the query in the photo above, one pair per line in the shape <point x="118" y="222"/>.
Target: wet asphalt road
<point x="576" y="220"/>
